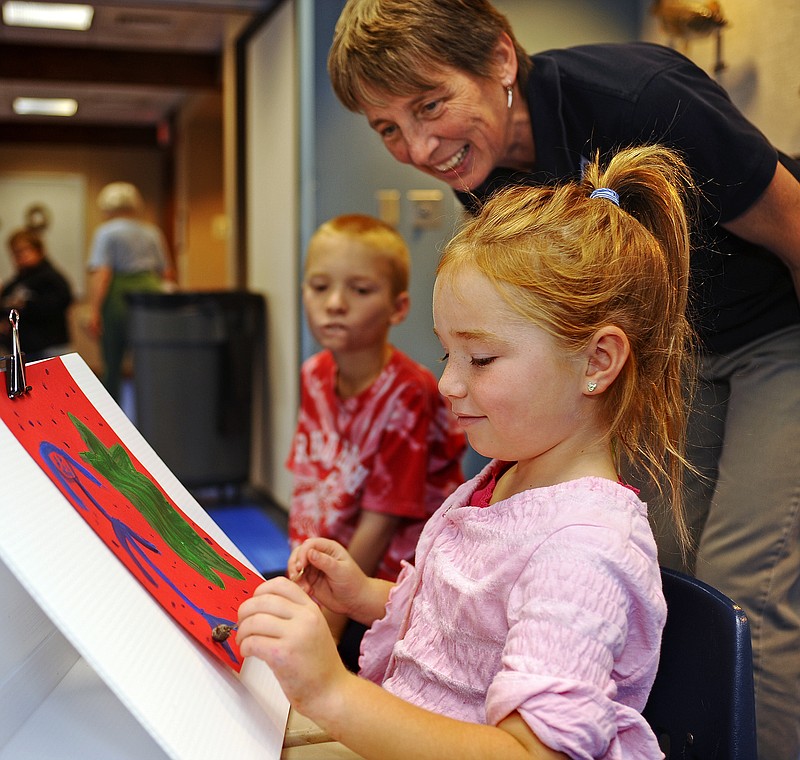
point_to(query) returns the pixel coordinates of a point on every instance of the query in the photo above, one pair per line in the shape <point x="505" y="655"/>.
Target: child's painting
<point x="199" y="584"/>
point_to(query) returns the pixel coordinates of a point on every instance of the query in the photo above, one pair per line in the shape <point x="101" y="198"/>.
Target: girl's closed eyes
<point x="482" y="361"/>
<point x="475" y="361"/>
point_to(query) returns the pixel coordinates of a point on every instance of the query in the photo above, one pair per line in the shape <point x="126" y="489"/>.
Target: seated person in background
<point x="376" y="448"/>
<point x="41" y="295"/>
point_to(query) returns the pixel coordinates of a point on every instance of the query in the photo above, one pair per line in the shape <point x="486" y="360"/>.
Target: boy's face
<point x="347" y="294"/>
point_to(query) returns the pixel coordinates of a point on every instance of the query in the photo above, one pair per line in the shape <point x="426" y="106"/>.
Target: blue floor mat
<point x="258" y="538"/>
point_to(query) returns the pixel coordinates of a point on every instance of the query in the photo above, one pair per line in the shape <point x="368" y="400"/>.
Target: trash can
<point x="194" y="356"/>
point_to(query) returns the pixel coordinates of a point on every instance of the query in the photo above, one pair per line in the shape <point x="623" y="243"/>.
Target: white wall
<point x="561" y="23"/>
<point x="762" y="56"/>
<point x="272" y="235"/>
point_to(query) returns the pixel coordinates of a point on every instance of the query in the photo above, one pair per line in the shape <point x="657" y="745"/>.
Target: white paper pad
<point x="191" y="705"/>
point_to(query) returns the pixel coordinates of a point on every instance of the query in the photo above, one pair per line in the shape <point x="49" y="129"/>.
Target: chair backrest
<point x="702" y="704"/>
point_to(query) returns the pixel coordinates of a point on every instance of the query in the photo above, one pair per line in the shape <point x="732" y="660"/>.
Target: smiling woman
<point x="449" y="110"/>
<point x="460" y="129"/>
<point x="452" y="93"/>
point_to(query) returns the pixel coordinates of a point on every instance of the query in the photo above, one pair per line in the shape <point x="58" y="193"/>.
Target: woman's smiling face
<point x="458" y="131"/>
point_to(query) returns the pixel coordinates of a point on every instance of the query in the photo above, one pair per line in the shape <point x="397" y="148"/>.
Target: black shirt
<point x="606" y="97"/>
<point x="43" y="320"/>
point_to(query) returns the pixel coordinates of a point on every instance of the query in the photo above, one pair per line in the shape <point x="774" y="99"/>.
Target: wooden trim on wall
<point x="78" y="134"/>
<point x="101" y="66"/>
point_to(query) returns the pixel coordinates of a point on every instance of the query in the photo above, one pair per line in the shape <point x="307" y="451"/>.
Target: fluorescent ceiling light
<point x="45" y="106"/>
<point x="48" y="15"/>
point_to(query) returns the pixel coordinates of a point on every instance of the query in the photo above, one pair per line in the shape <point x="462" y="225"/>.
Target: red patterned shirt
<point x="393" y="449"/>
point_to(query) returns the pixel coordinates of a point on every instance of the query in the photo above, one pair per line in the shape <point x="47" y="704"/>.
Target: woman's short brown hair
<point x="395" y="47"/>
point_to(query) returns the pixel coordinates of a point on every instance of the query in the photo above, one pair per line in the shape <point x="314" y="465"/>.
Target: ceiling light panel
<point x="48" y="15"/>
<point x="45" y="106"/>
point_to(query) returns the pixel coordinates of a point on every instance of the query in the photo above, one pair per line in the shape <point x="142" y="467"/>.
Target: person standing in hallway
<point x="128" y="255"/>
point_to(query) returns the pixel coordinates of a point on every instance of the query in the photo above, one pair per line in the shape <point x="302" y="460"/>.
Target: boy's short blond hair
<point x="383" y="239"/>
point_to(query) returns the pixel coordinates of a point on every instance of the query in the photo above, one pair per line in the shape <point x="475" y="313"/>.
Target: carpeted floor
<point x="255" y="525"/>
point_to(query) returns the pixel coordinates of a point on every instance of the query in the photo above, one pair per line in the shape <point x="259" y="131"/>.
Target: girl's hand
<point x="329" y="575"/>
<point x="281" y="625"/>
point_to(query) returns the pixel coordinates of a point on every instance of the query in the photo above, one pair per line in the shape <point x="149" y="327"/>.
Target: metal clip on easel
<point x="15" y="364"/>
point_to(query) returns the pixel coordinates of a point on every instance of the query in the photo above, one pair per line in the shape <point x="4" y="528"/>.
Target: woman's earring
<point x="591" y="386"/>
<point x="510" y="96"/>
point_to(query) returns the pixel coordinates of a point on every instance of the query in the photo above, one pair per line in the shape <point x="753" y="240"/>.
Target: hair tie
<point x="607" y="193"/>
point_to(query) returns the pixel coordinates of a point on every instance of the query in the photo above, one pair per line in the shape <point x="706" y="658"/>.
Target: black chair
<point x="702" y="705"/>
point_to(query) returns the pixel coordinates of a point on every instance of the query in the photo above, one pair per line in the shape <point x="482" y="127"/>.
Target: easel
<point x="90" y="664"/>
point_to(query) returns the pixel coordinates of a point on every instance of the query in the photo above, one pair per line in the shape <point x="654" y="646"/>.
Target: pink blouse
<point x="548" y="603"/>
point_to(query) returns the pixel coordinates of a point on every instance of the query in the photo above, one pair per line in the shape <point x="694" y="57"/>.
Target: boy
<point x="376" y="448"/>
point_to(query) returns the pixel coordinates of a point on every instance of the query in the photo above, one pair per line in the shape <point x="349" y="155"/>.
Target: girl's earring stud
<point x="591" y="386"/>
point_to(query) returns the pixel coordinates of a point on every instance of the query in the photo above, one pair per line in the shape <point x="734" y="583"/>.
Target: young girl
<point x="530" y="624"/>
